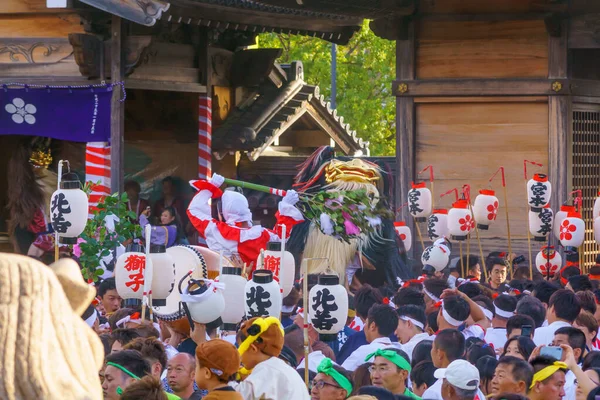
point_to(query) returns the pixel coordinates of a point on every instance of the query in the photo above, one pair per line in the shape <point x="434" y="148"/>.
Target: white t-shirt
<point x="496" y="337"/>
<point x="409" y="346"/>
<point x="435" y="392"/>
<point x="570" y="386"/>
<point x="357" y="358"/>
<point x="474" y="331"/>
<point x="545" y="335"/>
<point x="314" y="359"/>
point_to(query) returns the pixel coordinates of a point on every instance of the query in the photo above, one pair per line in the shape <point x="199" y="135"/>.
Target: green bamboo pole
<point x="254" y="186"/>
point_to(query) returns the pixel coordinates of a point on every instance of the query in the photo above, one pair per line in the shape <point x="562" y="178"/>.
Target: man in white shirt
<point x="449" y="345"/>
<point x="381" y="322"/>
<point x="456" y="308"/>
<point x="460" y="381"/>
<point x="576" y="339"/>
<point x="411" y="326"/>
<point x="563" y="308"/>
<point x="504" y="308"/>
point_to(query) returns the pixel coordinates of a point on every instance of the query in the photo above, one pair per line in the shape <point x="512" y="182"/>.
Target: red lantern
<point x="460" y="220"/>
<point x="572" y="230"/>
<point x="540" y="223"/>
<point x="419" y="201"/>
<point x="539" y="191"/>
<point x="548" y="261"/>
<point x="559" y="218"/>
<point x="485" y="208"/>
<point x="404" y="233"/>
<point x="437" y="224"/>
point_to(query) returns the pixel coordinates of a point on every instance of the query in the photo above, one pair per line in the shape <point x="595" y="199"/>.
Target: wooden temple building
<point x="479" y="85"/>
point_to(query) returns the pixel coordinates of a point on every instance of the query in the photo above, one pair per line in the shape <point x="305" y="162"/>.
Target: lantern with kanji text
<point x="485" y="209"/>
<point x="435" y="258"/>
<point x="283" y="270"/>
<point x="548" y="261"/>
<point x="572" y="230"/>
<point x="69" y="209"/>
<point x="437" y="224"/>
<point x="328" y="309"/>
<point x="559" y="217"/>
<point x="263" y="295"/>
<point x="234" y="296"/>
<point x="129" y="271"/>
<point x="404" y="233"/>
<point x="596" y="209"/>
<point x="460" y="220"/>
<point x="163" y="278"/>
<point x="419" y="201"/>
<point x="597" y="229"/>
<point x="540" y="223"/>
<point x="204" y="301"/>
<point x="539" y="191"/>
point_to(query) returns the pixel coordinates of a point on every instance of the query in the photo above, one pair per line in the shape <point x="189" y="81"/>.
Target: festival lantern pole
<point x="466" y="189"/>
<point x="147" y="276"/>
<point x="468" y="192"/>
<point x="501" y="169"/>
<point x="254" y="186"/>
<point x="462" y="264"/>
<point x="60" y="168"/>
<point x="578" y="203"/>
<point x="430" y="168"/>
<point x="527" y="209"/>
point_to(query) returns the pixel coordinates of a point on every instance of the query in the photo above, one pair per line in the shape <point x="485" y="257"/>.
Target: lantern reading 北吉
<point x="130" y="270"/>
<point x="328" y="309"/>
<point x="485" y="209"/>
<point x="234" y="296"/>
<point x="419" y="201"/>
<point x="559" y="217"/>
<point x="540" y="223"/>
<point x="283" y="272"/>
<point x="404" y="234"/>
<point x="572" y="230"/>
<point x="263" y="295"/>
<point x="460" y="220"/>
<point x="548" y="261"/>
<point x="204" y="301"/>
<point x="69" y="209"/>
<point x="163" y="278"/>
<point x="437" y="224"/>
<point x="539" y="191"/>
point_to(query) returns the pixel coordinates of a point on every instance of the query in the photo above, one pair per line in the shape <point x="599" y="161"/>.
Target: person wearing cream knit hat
<point x="48" y="352"/>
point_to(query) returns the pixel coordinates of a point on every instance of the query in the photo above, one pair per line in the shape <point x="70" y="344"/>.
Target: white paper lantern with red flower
<point x="437" y="224"/>
<point x="540" y="223"/>
<point x="460" y="220"/>
<point x="129" y="274"/>
<point x="404" y="233"/>
<point x="572" y="230"/>
<point x="485" y="209"/>
<point x="539" y="191"/>
<point x="436" y="256"/>
<point x="597" y="229"/>
<point x="596" y="209"/>
<point x="283" y="272"/>
<point x="548" y="261"/>
<point x="419" y="201"/>
<point x="328" y="308"/>
<point x="559" y="217"/>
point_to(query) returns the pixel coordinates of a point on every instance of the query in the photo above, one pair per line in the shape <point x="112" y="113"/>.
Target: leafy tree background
<point x="365" y="70"/>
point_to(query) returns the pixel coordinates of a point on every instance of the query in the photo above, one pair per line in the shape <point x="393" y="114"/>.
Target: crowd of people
<point x="436" y="337"/>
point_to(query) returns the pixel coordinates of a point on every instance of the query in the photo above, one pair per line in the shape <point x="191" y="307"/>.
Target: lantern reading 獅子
<point x="485" y="209"/>
<point x="283" y="272"/>
<point x="328" y="307"/>
<point x="419" y="201"/>
<point x="263" y="295"/>
<point x="129" y="271"/>
<point x="539" y="191"/>
<point x="437" y="224"/>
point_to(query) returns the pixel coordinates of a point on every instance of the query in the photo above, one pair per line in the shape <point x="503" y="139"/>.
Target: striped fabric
<point x="97" y="171"/>
<point x="204" y="137"/>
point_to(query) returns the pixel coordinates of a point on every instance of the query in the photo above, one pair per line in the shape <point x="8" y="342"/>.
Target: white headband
<point x="488" y="314"/>
<point x="502" y="313"/>
<point x="449" y="319"/>
<point x="92" y="319"/>
<point x="414" y="321"/>
<point x="120" y="323"/>
<point x="431" y="295"/>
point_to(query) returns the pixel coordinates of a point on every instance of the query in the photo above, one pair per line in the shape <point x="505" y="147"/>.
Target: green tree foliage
<point x="365" y="70"/>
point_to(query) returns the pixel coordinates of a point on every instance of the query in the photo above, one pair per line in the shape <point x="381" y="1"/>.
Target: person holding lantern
<point x="235" y="233"/>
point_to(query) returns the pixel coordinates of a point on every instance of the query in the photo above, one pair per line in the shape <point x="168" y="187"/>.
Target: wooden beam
<point x="164" y="86"/>
<point x="584" y="32"/>
<point x="117" y="122"/>
<point x="480" y="87"/>
<point x="585" y="87"/>
<point x="144" y="12"/>
<point x="557" y="53"/>
<point x="34" y="50"/>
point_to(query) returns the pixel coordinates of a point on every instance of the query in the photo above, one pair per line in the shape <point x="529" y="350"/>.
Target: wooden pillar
<point x="405" y="129"/>
<point x="117" y="123"/>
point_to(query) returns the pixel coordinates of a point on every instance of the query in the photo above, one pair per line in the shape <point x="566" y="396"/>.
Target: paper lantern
<point x="596" y="209"/>
<point x="404" y="233"/>
<point x="548" y="261"/>
<point x="419" y="201"/>
<point x="129" y="274"/>
<point x="328" y="307"/>
<point x="69" y="209"/>
<point x="435" y="256"/>
<point x="460" y="220"/>
<point x="283" y="272"/>
<point x="485" y="209"/>
<point x="572" y="230"/>
<point x="559" y="217"/>
<point x="539" y="191"/>
<point x="234" y="296"/>
<point x="597" y="229"/>
<point x="205" y="302"/>
<point x="437" y="224"/>
<point x="263" y="295"/>
<point x="163" y="278"/>
<point x="540" y="223"/>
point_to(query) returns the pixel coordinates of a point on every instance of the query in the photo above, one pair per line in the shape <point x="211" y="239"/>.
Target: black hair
<point x="488" y="303"/>
<point x="377" y="392"/>
<point x="576" y="338"/>
<point x="587" y="301"/>
<point x="591" y="360"/>
<point x="131" y="184"/>
<point x="384" y="317"/>
<point x="470" y="289"/>
<point x="517" y="321"/>
<point x="124" y="336"/>
<point x="88" y="312"/>
<point x="409" y="296"/>
<point x="541" y="362"/>
<point x="568" y="272"/>
<point x="505" y="302"/>
<point x="432" y="320"/>
<point x="451" y="342"/>
<point x="521" y="370"/>
<point x="423" y="373"/>
<point x="436" y="286"/>
<point x="473" y="340"/>
<point x="544" y="290"/>
<point x="365" y="298"/>
<point x="524" y="344"/>
<point x="566" y="305"/>
<point x="509" y="396"/>
<point x="491" y="261"/>
<point x="580" y="283"/>
<point x="422" y="352"/>
<point x="486" y="366"/>
<point x="131" y="360"/>
<point x="106" y="285"/>
<point x="414" y="312"/>
<point x="534" y="308"/>
<point x="593" y="394"/>
<point x="478" y="350"/>
<point x="457" y="307"/>
<point x="169" y="179"/>
<point x="469" y="261"/>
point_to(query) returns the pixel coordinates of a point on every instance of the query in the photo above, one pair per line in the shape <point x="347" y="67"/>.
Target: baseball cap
<point x="461" y="374"/>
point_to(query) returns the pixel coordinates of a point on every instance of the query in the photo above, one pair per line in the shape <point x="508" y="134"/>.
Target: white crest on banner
<point x="21" y="112"/>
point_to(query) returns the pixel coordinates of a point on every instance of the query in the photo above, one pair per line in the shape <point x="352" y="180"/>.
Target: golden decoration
<point x="40" y="158"/>
<point x="355" y="170"/>
<point x="557" y="86"/>
<point x="402" y="88"/>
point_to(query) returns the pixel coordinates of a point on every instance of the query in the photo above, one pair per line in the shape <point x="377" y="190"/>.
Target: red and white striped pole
<point x="97" y="171"/>
<point x="204" y="137"/>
